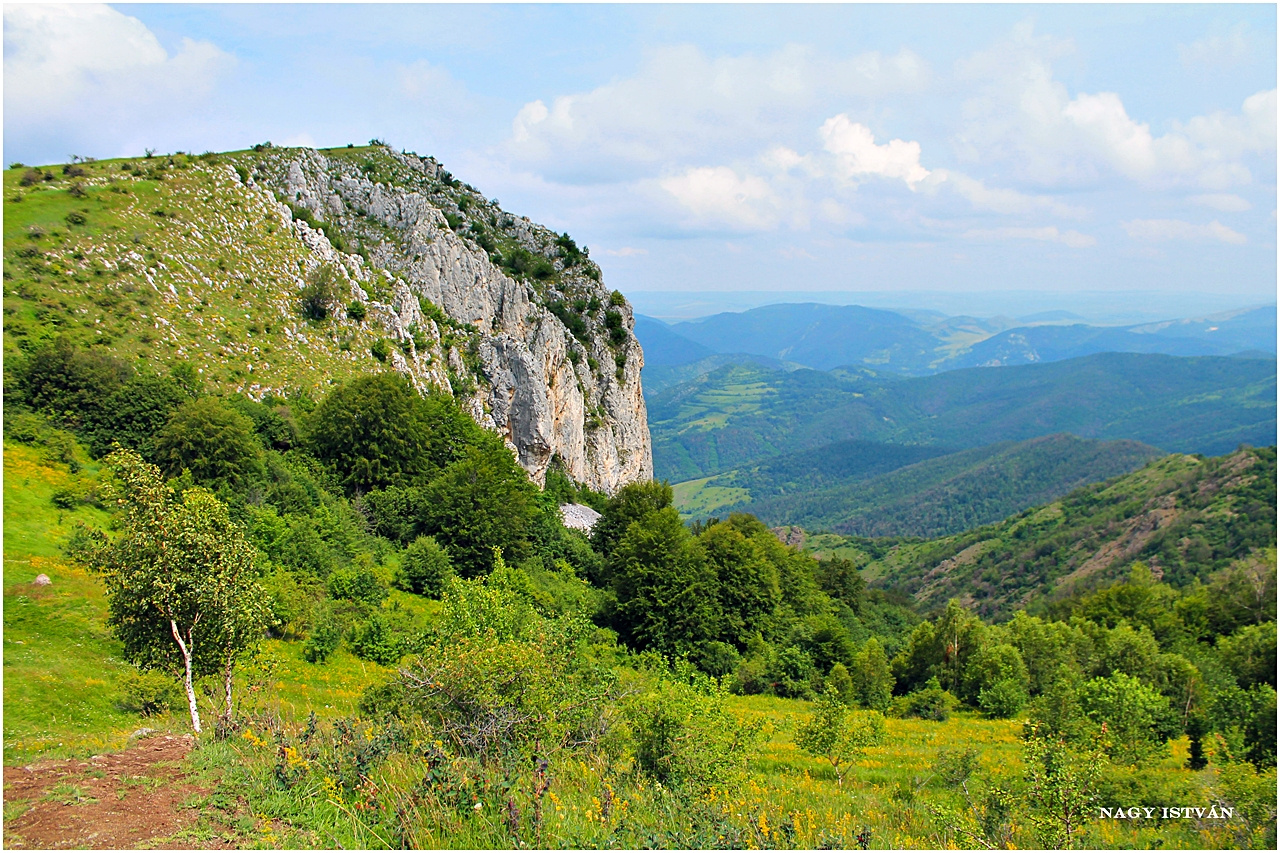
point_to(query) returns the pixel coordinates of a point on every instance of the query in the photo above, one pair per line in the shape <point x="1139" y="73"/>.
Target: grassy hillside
<point x="192" y="258"/>
<point x="866" y="489"/>
<point x="165" y="260"/>
<point x="741" y="415"/>
<point x="1184" y="515"/>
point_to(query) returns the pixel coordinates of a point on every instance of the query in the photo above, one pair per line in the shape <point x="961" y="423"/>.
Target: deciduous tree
<point x="181" y="594"/>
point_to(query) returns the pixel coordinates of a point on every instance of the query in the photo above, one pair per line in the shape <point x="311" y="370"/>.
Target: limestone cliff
<point x="504" y="313"/>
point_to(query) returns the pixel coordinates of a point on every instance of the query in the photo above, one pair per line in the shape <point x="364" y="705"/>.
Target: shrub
<point x="24" y="427"/>
<point x="356" y="583"/>
<point x="872" y="677"/>
<point x="320" y="292"/>
<point x="356" y="310"/>
<point x="148" y="692"/>
<point x="373" y="640"/>
<point x="424" y="569"/>
<point x="686" y="738"/>
<point x="1003" y="699"/>
<point x="930" y="702"/>
<point x="1137" y="718"/>
<point x="838" y="734"/>
<point x="380" y="349"/>
<point x="377" y="431"/>
<point x="840" y="680"/>
<point x="482" y="502"/>
<point x="498" y="681"/>
<point x="324" y="638"/>
<point x="136" y="414"/>
<point x="70" y="384"/>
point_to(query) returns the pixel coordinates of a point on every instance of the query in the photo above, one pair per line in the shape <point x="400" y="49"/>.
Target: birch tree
<point x="180" y="588"/>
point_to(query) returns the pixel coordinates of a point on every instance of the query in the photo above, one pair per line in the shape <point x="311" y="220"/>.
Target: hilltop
<point x="280" y="270"/>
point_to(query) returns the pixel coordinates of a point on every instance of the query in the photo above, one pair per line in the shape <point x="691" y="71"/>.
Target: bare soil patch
<point x="138" y="798"/>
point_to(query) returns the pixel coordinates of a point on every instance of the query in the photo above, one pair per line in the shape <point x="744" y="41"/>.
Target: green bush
<point x="321" y="291"/>
<point x="357" y="583"/>
<point x="148" y="692"/>
<point x="356" y="310"/>
<point x="499" y="682"/>
<point x="69" y="384"/>
<point x="324" y="637"/>
<point x="686" y="738"/>
<point x="424" y="569"/>
<point x="136" y="414"/>
<point x="373" y="640"/>
<point x="215" y="443"/>
<point x="838" y="734"/>
<point x="1138" y="720"/>
<point x="930" y="702"/>
<point x="1003" y="699"/>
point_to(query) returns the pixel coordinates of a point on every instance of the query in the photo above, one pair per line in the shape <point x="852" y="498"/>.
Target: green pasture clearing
<point x="699" y="499"/>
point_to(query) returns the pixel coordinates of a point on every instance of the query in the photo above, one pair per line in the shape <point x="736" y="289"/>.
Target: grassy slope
<point x="1188" y="516"/>
<point x="180" y="263"/>
<point x="63" y="676"/>
<point x="62" y="682"/>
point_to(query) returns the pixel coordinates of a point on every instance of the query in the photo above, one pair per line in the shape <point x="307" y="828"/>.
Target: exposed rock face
<point x="579" y="517"/>
<point x="502" y="344"/>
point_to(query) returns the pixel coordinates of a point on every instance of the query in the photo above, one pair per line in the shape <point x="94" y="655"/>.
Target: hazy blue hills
<point x="818" y="336"/>
<point x="1253" y="330"/>
<point x="916" y="343"/>
<point x="937" y="496"/>
<point x="663" y="347"/>
<point x="741" y="415"/>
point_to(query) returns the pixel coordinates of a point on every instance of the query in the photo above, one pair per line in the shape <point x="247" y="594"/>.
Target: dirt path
<point x="138" y="798"/>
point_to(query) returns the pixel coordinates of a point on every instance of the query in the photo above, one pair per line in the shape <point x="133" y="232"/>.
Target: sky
<point x="1054" y="150"/>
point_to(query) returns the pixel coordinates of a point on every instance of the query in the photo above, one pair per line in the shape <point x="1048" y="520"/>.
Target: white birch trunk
<point x="191" y="690"/>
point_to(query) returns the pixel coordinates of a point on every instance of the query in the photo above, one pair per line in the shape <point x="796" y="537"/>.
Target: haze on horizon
<point x="1055" y="151"/>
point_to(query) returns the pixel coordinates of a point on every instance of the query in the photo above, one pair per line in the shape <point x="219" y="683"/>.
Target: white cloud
<point x="626" y="252"/>
<point x="1021" y="115"/>
<point x="1048" y="234"/>
<point x="1217" y="51"/>
<point x="1226" y="202"/>
<point x="681" y="104"/>
<point x="60" y="57"/>
<point x="1161" y="230"/>
<point x="720" y="197"/>
<point x="858" y="156"/>
<point x="999" y="200"/>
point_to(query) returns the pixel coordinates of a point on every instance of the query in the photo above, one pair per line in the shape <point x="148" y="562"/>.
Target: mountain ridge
<point x="208" y="259"/>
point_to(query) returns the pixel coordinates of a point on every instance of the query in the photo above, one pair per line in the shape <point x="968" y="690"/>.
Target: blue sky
<point x="1049" y="149"/>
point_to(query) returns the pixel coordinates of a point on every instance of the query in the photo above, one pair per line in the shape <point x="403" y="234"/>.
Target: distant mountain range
<point x="742" y="415"/>
<point x="919" y="343"/>
<point x="870" y="422"/>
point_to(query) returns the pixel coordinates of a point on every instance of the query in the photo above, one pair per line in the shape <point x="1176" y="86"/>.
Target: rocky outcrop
<point x="485" y="302"/>
<point x="579" y="517"/>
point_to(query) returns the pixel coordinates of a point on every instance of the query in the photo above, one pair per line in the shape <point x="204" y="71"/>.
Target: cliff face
<point x="504" y="313"/>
